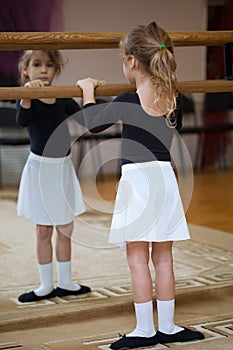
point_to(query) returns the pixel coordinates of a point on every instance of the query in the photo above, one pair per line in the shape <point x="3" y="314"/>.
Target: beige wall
<point x="121" y="15"/>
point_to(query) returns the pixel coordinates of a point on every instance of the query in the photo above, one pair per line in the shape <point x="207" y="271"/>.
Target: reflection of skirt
<point x="148" y="206"/>
<point x="49" y="192"/>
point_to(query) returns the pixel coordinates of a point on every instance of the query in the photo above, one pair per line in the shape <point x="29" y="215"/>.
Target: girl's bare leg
<point x="44" y="244"/>
<point x="63" y="254"/>
<point x="63" y="242"/>
<point x="163" y="262"/>
<point x="138" y="259"/>
<point x="165" y="286"/>
<point x="44" y="257"/>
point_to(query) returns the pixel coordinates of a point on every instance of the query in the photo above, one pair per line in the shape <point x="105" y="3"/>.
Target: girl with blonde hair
<point x="49" y="192"/>
<point x="148" y="209"/>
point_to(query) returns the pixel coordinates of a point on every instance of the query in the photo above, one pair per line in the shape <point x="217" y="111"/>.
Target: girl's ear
<point x="133" y="62"/>
<point x="25" y="72"/>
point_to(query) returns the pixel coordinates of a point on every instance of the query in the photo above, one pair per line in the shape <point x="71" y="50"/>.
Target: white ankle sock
<point x="46" y="279"/>
<point x="145" y="321"/>
<point x="64" y="276"/>
<point x="166" y="311"/>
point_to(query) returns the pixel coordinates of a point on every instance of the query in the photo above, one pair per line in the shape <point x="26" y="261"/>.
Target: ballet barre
<point x="101" y="40"/>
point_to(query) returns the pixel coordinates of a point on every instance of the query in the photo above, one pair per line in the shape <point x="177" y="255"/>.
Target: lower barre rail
<point x="202" y="86"/>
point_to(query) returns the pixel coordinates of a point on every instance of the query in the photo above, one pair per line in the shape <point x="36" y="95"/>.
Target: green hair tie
<point x="162" y="47"/>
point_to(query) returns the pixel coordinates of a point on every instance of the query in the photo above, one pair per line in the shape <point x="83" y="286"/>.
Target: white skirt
<point x="148" y="206"/>
<point x="49" y="192"/>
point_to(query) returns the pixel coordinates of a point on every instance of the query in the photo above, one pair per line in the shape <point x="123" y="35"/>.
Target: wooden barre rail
<point x="101" y="40"/>
<point x="14" y="93"/>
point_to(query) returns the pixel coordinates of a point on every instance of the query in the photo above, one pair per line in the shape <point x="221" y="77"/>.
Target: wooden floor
<point x="212" y="200"/>
<point x="211" y="203"/>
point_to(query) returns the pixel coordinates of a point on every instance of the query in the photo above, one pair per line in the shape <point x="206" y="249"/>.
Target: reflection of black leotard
<point x="47" y="126"/>
<point x="144" y="137"/>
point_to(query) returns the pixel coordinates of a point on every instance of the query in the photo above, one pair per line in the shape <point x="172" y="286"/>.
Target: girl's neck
<point x="143" y="83"/>
<point x="146" y="93"/>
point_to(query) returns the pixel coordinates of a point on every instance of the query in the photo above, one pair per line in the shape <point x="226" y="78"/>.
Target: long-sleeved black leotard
<point x="47" y="125"/>
<point x="144" y="137"/>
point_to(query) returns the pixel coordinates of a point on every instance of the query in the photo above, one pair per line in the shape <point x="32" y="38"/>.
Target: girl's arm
<point x="25" y="102"/>
<point x="97" y="117"/>
<point x="23" y="114"/>
<point x="23" y="110"/>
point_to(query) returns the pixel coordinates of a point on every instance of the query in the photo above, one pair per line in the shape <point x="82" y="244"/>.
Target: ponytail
<point x="163" y="77"/>
<point x="153" y="48"/>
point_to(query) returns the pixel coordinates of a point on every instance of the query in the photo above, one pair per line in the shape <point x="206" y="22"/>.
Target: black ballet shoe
<point x="133" y="342"/>
<point x="60" y="292"/>
<point x="31" y="297"/>
<point x="182" y="336"/>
